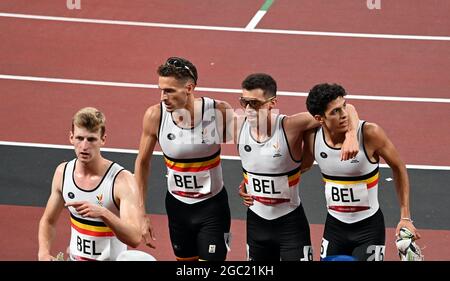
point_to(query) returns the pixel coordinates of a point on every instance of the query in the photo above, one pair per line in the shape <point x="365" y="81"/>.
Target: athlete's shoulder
<point x="124" y="175"/>
<point x="153" y="111"/>
<point x="222" y="105"/>
<point x="125" y="181"/>
<point x="60" y="168"/>
<point x="372" y="129"/>
<point x="58" y="176"/>
<point x="374" y="135"/>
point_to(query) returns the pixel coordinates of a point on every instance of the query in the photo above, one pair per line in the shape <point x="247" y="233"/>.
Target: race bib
<point x="190" y="184"/>
<point x="347" y="197"/>
<point x="268" y="190"/>
<point x="85" y="247"/>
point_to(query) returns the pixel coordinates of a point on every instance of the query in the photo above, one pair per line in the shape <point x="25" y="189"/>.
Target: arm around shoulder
<point x="307" y="151"/>
<point x="226" y="121"/>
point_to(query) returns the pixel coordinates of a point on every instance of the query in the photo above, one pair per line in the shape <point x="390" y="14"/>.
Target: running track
<point x="40" y="111"/>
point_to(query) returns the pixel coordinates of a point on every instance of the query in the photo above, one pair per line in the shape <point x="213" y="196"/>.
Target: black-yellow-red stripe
<point x="293" y="176"/>
<point x="91" y="228"/>
<point x="370" y="179"/>
<point x="193" y="165"/>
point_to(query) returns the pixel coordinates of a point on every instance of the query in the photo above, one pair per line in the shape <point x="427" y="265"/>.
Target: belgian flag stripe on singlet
<point x="92" y="228"/>
<point x="193" y="165"/>
<point x="371" y="179"/>
<point x="293" y="176"/>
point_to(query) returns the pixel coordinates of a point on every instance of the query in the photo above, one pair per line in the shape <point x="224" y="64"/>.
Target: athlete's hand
<point x="350" y="147"/>
<point x="147" y="232"/>
<point x="248" y="199"/>
<point x="86" y="209"/>
<point x="410" y="226"/>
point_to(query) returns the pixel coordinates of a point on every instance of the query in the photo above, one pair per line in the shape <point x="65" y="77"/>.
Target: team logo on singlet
<point x="71" y="195"/>
<point x="247" y="148"/>
<point x="171" y="136"/>
<point x="323" y="155"/>
<point x="276" y="146"/>
<point x="100" y="199"/>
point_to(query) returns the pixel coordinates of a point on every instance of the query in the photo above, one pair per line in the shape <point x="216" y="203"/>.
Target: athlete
<point x="270" y="147"/>
<point x="355" y="224"/>
<point x="105" y="206"/>
<point x="189" y="131"/>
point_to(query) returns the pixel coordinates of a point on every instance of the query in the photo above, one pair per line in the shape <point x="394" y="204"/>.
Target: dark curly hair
<point x="321" y="95"/>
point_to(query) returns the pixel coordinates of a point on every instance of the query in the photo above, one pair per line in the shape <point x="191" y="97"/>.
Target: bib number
<point x="269" y="190"/>
<point x="189" y="184"/>
<point x="347" y="197"/>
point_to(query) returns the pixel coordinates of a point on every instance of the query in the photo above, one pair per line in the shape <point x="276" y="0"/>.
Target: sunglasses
<point x="254" y="103"/>
<point x="177" y="63"/>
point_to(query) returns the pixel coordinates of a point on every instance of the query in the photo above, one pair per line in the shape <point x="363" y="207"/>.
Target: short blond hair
<point x="91" y="119"/>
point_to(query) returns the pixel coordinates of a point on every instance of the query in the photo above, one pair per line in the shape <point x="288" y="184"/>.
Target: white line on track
<point x="230" y="29"/>
<point x="255" y="20"/>
<point x="207" y="89"/>
<point x="226" y="157"/>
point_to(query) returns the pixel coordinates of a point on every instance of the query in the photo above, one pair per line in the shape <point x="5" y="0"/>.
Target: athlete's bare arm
<point x="149" y="137"/>
<point x="350" y="147"/>
<point x="295" y="126"/>
<point x="47" y="224"/>
<point x="378" y="144"/>
<point x="308" y="149"/>
<point x="147" y="144"/>
<point x="225" y="121"/>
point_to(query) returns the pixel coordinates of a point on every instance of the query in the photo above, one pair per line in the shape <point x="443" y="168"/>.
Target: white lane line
<point x="207" y="89"/>
<point x="255" y="20"/>
<point x="230" y="29"/>
<point x="77" y="81"/>
<point x="226" y="157"/>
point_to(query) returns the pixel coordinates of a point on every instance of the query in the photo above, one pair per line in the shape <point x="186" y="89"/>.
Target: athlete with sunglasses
<point x="270" y="147"/>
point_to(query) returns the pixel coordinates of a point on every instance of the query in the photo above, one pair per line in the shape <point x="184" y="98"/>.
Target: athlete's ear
<point x="71" y="137"/>
<point x="319" y="118"/>
<point x="103" y="138"/>
<point x="273" y="103"/>
<point x="190" y="88"/>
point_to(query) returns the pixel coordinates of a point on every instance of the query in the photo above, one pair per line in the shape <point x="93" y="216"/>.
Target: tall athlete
<point x="355" y="224"/>
<point x="105" y="206"/>
<point x="189" y="131"/>
<point x="270" y="147"/>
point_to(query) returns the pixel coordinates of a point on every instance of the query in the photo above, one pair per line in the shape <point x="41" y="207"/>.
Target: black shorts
<point x="201" y="229"/>
<point x="364" y="240"/>
<point x="285" y="238"/>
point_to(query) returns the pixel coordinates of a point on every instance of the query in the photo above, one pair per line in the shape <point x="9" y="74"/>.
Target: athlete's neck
<point x="263" y="130"/>
<point x="190" y="115"/>
<point x="96" y="167"/>
<point x="333" y="139"/>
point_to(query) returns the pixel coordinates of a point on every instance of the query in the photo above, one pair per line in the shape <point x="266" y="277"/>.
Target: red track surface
<point x="218" y="12"/>
<point x="41" y="112"/>
<point x="23" y="245"/>
<point x="395" y="17"/>
<point x="413" y="127"/>
<point x="131" y="54"/>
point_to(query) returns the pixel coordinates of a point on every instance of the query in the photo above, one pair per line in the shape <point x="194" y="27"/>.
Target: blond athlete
<point x="103" y="199"/>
